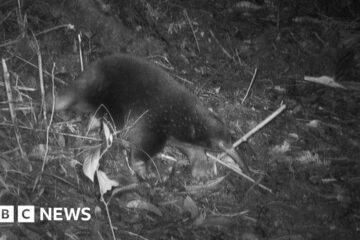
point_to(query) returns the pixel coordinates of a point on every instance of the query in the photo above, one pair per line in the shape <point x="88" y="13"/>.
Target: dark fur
<point x="130" y="85"/>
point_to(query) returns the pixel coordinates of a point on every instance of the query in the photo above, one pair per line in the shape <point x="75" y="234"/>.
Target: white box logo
<point x="26" y="214"/>
<point x="6" y="214"/>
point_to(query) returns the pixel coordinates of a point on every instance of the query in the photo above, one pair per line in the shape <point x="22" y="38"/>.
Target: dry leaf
<point x="108" y="136"/>
<point x="313" y="123"/>
<point x="280" y="149"/>
<point x="139" y="204"/>
<point x="94" y="123"/>
<point x="105" y="184"/>
<point x="325" y="80"/>
<point x="91" y="163"/>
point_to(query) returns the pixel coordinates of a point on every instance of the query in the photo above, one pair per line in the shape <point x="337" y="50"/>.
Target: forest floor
<point x="308" y="155"/>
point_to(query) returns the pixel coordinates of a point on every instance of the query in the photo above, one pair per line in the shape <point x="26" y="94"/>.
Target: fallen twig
<point x="13" y="113"/>
<point x="222" y="48"/>
<point x="192" y="29"/>
<point x="53" y="132"/>
<point x="80" y="53"/>
<point x="8" y="43"/>
<point x="21" y="88"/>
<point x="242" y="63"/>
<point x="245" y="138"/>
<point x="17" y="109"/>
<point x="108" y="215"/>
<point x="351" y="85"/>
<point x="44" y="71"/>
<point x="238" y="171"/>
<point x="69" y="26"/>
<point x="259" y="126"/>
<point x="62" y="180"/>
<point x="242" y="213"/>
<point x="6" y="17"/>
<point x="183" y="79"/>
<point x="137" y="236"/>
<point x="51" y="119"/>
<point x="248" y="90"/>
<point x="330" y="82"/>
<point x="325" y="80"/>
<point x="41" y="77"/>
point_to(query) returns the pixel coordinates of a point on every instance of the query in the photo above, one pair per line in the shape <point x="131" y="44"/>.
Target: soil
<point x="308" y="156"/>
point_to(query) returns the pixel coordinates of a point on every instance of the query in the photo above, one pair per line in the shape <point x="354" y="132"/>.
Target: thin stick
<point x="134" y="235"/>
<point x="101" y="237"/>
<point x="278" y="15"/>
<point x="80" y="53"/>
<point x="6" y="17"/>
<point x="69" y="26"/>
<point x="41" y="77"/>
<point x="8" y="43"/>
<point x="242" y="63"/>
<point x="183" y="79"/>
<point x="51" y="119"/>
<point x="259" y="126"/>
<point x="20" y="18"/>
<point x="12" y="111"/>
<point x="21" y="88"/>
<point x="222" y="48"/>
<point x="53" y="132"/>
<point x="61" y="179"/>
<point x="93" y="119"/>
<point x="108" y="215"/>
<point x="44" y="71"/>
<point x="251" y="83"/>
<point x="17" y="109"/>
<point x="238" y="171"/>
<point x="192" y="29"/>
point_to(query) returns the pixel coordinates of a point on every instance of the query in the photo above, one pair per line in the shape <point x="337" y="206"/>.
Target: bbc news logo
<point x="26" y="214"/>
